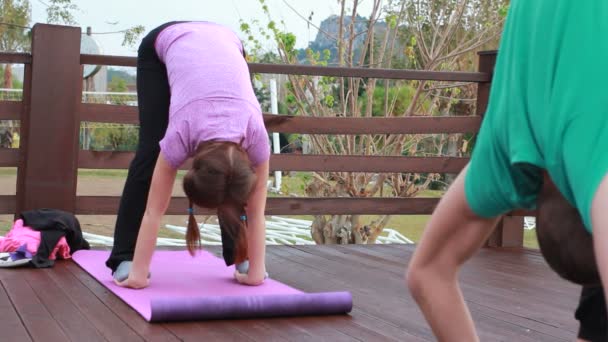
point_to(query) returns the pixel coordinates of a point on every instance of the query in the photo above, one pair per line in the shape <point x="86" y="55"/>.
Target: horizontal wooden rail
<point x="15" y="58"/>
<point x="299" y="162"/>
<point x="9" y="157"/>
<point x="340" y="163"/>
<point x="10" y="110"/>
<point x="108" y="205"/>
<point x="8" y="204"/>
<point x="105" y="113"/>
<point x="108" y="60"/>
<point x="313" y="125"/>
<point x="452" y="76"/>
<point x="402" y="125"/>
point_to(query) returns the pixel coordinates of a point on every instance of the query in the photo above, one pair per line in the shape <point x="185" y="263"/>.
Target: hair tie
<point x="243" y="218"/>
<point x="191" y="211"/>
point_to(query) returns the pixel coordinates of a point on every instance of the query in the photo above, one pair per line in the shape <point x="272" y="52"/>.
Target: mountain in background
<point x="113" y="72"/>
<point x="328" y="34"/>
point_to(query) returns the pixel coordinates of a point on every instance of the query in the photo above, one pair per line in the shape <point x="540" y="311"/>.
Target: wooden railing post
<point x="50" y="123"/>
<point x="509" y="231"/>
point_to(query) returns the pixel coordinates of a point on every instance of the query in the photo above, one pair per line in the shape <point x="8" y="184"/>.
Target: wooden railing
<point x="52" y="109"/>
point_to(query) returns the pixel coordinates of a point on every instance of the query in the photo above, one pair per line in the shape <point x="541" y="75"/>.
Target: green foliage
<point x="263" y="95"/>
<point x="61" y="12"/>
<point x="399" y="98"/>
<point x="15" y="34"/>
<point x="112" y="137"/>
<point x="14" y="37"/>
<point x="117" y="84"/>
<point x="503" y="10"/>
<point x="113" y="72"/>
<point x="132" y="34"/>
<point x="288" y="41"/>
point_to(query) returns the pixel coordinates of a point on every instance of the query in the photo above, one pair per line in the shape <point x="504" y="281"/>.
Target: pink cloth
<point x="20" y="234"/>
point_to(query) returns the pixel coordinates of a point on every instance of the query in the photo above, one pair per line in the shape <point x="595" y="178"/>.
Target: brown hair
<point x="565" y="244"/>
<point x="221" y="178"/>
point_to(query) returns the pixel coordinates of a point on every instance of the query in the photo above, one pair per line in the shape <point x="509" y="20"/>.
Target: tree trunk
<point x="8" y="76"/>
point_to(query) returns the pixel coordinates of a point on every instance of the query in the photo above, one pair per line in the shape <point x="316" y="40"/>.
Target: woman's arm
<point x="256" y="229"/>
<point x="158" y="200"/>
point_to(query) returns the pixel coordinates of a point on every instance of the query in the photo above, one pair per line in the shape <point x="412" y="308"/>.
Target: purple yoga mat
<point x="185" y="288"/>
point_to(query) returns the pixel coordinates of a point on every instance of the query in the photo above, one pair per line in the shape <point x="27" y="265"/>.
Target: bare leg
<point x="599" y="219"/>
<point x="453" y="234"/>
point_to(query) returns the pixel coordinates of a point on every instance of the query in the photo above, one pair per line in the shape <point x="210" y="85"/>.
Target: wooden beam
<point x="108" y="205"/>
<point x="299" y="162"/>
<point x="49" y="128"/>
<point x="312" y="125"/>
<point x="10" y="110"/>
<point x="9" y="157"/>
<point x="15" y="58"/>
<point x="453" y="76"/>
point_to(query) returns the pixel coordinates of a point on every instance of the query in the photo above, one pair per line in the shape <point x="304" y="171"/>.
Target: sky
<point x="116" y="15"/>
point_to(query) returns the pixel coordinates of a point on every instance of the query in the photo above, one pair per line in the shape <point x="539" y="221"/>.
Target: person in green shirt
<point x="547" y="113"/>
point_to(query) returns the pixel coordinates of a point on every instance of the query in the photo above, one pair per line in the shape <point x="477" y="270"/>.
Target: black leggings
<point x="153" y="96"/>
<point x="591" y="313"/>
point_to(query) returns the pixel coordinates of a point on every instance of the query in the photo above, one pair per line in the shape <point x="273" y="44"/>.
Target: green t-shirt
<point x="548" y="108"/>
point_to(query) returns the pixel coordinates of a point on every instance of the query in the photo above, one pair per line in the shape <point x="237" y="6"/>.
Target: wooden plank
<point x="106" y="113"/>
<point x="253" y="329"/>
<point x="493" y="322"/>
<point x="9" y="157"/>
<point x="301" y="268"/>
<point x="39" y="322"/>
<point x="523" y="212"/>
<point x="508" y="233"/>
<point x="321" y="163"/>
<point x="8" y="204"/>
<point x="24" y="138"/>
<point x="15" y="58"/>
<point x="116" y="307"/>
<point x="104" y="159"/>
<point x="56" y="74"/>
<point x="108" y="60"/>
<point x="95" y="112"/>
<point x="10" y="110"/>
<point x="319" y="70"/>
<point x="11" y="326"/>
<point x="59" y="304"/>
<point x="486" y="63"/>
<point x="108" y="205"/>
<point x="368" y="72"/>
<point x="345" y="125"/>
<point x="95" y="310"/>
<point x="207" y="331"/>
<point x="510" y="277"/>
<point x="512" y="294"/>
<point x="298" y="162"/>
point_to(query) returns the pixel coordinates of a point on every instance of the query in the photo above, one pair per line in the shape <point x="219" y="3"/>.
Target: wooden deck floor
<point x="513" y="296"/>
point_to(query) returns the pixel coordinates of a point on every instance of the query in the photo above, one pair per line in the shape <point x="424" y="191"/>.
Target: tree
<point x="417" y="34"/>
<point x="14" y="33"/>
<point x="62" y="12"/>
<point x="117" y="84"/>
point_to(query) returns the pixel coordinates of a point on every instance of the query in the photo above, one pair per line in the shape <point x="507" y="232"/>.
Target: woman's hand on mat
<point x="246" y="279"/>
<point x="134" y="282"/>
